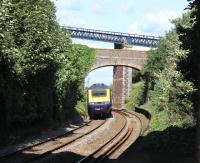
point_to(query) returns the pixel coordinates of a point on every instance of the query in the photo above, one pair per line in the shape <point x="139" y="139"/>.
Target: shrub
<point x="41" y="71"/>
<point x="137" y="96"/>
<point x="81" y="108"/>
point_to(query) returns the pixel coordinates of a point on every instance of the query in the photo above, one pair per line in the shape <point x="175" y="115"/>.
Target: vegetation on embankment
<point x="41" y="72"/>
<point x="136" y="97"/>
<point x="162" y="136"/>
<point x="171" y="89"/>
<point x="168" y="88"/>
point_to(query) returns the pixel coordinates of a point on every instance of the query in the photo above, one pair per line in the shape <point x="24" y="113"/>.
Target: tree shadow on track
<point x="173" y="145"/>
<point x="42" y="136"/>
<point x="61" y="157"/>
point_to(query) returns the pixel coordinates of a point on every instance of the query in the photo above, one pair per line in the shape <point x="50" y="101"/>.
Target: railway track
<point x="41" y="149"/>
<point x="130" y="128"/>
<point x="137" y="126"/>
<point x="118" y="140"/>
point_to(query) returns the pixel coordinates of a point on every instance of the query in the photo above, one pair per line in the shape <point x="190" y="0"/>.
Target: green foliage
<point x="162" y="136"/>
<point x="136" y="76"/>
<point x="172" y="86"/>
<point x="137" y="96"/>
<point x="71" y="76"/>
<point x="170" y="91"/>
<point x="41" y="71"/>
<point x="160" y="119"/>
<point x="189" y="35"/>
<point x="81" y="108"/>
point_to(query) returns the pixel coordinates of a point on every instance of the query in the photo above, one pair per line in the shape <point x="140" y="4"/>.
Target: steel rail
<point x="5" y="158"/>
<point x="45" y="141"/>
<point x="126" y="137"/>
<point x="143" y="129"/>
<point x="90" y="158"/>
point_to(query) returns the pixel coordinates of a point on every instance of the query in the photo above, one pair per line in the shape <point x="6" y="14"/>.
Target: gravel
<point x="88" y="144"/>
<point x="42" y="137"/>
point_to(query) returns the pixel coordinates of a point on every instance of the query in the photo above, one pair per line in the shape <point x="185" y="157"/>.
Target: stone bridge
<point x="124" y="61"/>
<point x="119" y="57"/>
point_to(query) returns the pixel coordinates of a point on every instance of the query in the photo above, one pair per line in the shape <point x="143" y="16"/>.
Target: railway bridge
<point x="123" y="61"/>
<point x="121" y="58"/>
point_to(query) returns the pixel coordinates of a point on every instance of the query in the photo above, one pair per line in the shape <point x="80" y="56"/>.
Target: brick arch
<point x="118" y="57"/>
<point x="97" y="66"/>
<point x="122" y="76"/>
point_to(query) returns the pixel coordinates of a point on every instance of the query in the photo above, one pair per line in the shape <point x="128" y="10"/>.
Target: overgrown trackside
<point x="170" y="95"/>
<point x="41" y="71"/>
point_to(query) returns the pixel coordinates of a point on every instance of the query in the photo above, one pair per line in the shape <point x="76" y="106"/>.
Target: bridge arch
<point x="123" y="61"/>
<point x="119" y="57"/>
<point x="97" y="66"/>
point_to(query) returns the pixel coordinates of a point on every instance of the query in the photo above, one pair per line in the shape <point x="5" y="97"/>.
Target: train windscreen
<point x="99" y="93"/>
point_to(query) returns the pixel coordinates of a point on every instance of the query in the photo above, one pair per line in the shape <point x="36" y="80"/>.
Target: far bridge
<point x="113" y="37"/>
<point x="122" y="58"/>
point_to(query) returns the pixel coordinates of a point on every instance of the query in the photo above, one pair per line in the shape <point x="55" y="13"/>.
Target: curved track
<point x="39" y="150"/>
<point x="116" y="142"/>
<point x="130" y="126"/>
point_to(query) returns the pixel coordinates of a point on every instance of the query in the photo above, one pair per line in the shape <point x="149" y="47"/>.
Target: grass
<point x="164" y="137"/>
<point x="159" y="121"/>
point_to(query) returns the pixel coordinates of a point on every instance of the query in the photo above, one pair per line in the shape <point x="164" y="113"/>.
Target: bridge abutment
<point x="127" y="81"/>
<point x="118" y="97"/>
<point x="122" y="81"/>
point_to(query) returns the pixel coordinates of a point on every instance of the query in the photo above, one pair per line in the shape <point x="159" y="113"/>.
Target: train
<point x="99" y="100"/>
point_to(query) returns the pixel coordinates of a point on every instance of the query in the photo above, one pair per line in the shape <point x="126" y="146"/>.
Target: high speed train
<point x="99" y="100"/>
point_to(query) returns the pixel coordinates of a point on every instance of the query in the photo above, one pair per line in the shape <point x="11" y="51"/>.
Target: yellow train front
<point x="99" y="100"/>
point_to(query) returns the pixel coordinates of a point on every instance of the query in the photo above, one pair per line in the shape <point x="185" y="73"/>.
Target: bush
<point x="162" y="136"/>
<point x="169" y="89"/>
<point x="41" y="71"/>
<point x="137" y="96"/>
<point x="81" y="108"/>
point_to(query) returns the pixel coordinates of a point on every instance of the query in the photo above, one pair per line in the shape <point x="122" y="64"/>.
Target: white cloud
<point x="109" y="6"/>
<point x="101" y="45"/>
<point x="69" y="4"/>
<point x="93" y="44"/>
<point x="101" y="7"/>
<point x="128" y="6"/>
<point x="76" y="22"/>
<point x="154" y="23"/>
<point x="67" y="18"/>
<point x="66" y="10"/>
<point x="140" y="48"/>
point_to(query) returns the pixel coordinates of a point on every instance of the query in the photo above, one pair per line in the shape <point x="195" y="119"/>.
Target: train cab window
<point x="100" y="93"/>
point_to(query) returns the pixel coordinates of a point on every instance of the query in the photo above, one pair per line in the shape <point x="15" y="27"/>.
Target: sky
<point x="151" y="17"/>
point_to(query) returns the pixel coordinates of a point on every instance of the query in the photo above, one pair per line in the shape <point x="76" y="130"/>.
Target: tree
<point x="40" y="69"/>
<point x="190" y="36"/>
<point x="170" y="90"/>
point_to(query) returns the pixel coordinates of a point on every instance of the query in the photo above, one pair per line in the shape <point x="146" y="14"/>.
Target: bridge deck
<point x="113" y="37"/>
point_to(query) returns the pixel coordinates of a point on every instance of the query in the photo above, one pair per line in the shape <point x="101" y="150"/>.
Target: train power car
<point x="99" y="100"/>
